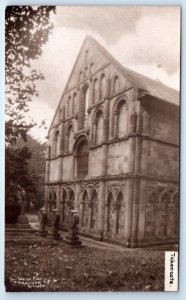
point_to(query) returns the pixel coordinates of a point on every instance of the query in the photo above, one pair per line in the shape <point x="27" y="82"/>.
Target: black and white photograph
<point x="92" y="135"/>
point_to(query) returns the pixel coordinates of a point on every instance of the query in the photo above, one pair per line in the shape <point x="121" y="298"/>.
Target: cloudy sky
<point x="141" y="38"/>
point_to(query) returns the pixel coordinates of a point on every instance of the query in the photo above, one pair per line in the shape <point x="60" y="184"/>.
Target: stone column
<point x="94" y="132"/>
<point x="89" y="215"/>
<point x="58" y="197"/>
<point x="142" y="209"/>
<point x="132" y="146"/>
<point x="77" y="196"/>
<point x="129" y="210"/>
<point x="47" y="172"/>
<point x="106" y="223"/>
<point x="81" y="112"/>
<point x="135" y="213"/>
<point x="101" y="207"/>
<point x="105" y="137"/>
<point x="81" y="214"/>
<point x="143" y="182"/>
<point x="136" y="180"/>
<point x="115" y="124"/>
<point x="46" y="197"/>
<point x="61" y="148"/>
<point x="138" y="143"/>
<point x="115" y="219"/>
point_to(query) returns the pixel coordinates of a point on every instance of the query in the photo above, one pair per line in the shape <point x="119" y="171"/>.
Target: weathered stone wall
<point x="68" y="168"/>
<point x="96" y="157"/>
<point x="163" y="160"/>
<point x="118" y="154"/>
<point x="55" y="170"/>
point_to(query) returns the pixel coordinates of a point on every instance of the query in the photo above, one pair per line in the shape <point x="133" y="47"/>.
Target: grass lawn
<point x="55" y="267"/>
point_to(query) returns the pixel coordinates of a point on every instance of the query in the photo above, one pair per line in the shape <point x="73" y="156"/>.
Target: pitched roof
<point x="151" y="86"/>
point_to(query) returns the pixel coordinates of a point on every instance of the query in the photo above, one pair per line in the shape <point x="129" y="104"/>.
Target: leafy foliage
<point x="36" y="171"/>
<point x="26" y="30"/>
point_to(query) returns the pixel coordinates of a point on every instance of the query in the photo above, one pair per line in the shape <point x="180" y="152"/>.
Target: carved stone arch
<point x="68" y="126"/>
<point x="55" y="141"/>
<point x="97" y="125"/>
<point x="99" y="109"/>
<point x="111" y="191"/>
<point x="85" y="193"/>
<point x="93" y="191"/>
<point x="175" y="192"/>
<point x="103" y="85"/>
<point x="82" y="138"/>
<point x="115" y="78"/>
<point x="167" y="191"/>
<point x="84" y="209"/>
<point x="156" y="192"/>
<point x="69" y="136"/>
<point x="120" y="213"/>
<point x="96" y="187"/>
<point x="71" y="197"/>
<point x="84" y="102"/>
<point x="93" y="210"/>
<point x="63" y="205"/>
<point x="95" y="90"/>
<point x="152" y="211"/>
<point x="119" y="102"/>
<point x="75" y="102"/>
<point x="118" y="189"/>
<point x="52" y="198"/>
<point x="69" y="104"/>
<point x="63" y="191"/>
<point x="109" y="212"/>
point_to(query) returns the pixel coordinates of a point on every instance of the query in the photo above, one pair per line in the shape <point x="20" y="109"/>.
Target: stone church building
<point x="113" y="153"/>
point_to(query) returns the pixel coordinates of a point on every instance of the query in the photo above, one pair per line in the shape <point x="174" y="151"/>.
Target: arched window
<point x="64" y="208"/>
<point x="74" y="104"/>
<point x="71" y="199"/>
<point x="86" y="99"/>
<point x="109" y="214"/>
<point x="157" y="213"/>
<point x="83" y="107"/>
<point x="80" y="75"/>
<point x="69" y="106"/>
<point x="120" y="119"/>
<point x="120" y="214"/>
<point x="99" y="128"/>
<point x="173" y="215"/>
<point x="95" y="91"/>
<point x="84" y="217"/>
<point x="91" y="68"/>
<point x="82" y="159"/>
<point x="103" y="87"/>
<point x="69" y="139"/>
<point x="116" y="84"/>
<point x="55" y="143"/>
<point x="54" y="200"/>
<point x="93" y="210"/>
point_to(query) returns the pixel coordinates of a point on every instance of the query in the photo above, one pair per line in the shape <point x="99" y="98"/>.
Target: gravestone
<point x="43" y="222"/>
<point x="55" y="225"/>
<point x="72" y="238"/>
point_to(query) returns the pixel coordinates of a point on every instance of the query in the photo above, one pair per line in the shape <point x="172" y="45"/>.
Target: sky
<point x="144" y="39"/>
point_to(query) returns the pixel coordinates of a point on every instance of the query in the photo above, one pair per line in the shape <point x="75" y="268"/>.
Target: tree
<point x="36" y="171"/>
<point x="26" y="30"/>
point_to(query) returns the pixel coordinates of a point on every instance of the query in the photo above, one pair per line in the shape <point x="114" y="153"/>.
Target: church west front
<point x="113" y="153"/>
